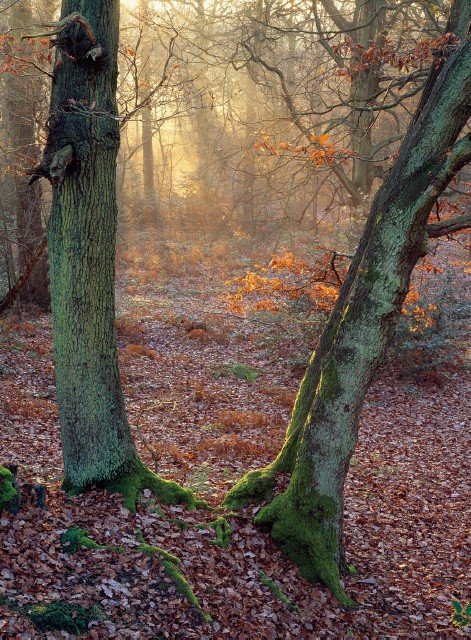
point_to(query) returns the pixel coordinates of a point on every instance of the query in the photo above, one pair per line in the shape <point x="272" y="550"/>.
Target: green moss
<point x="371" y="274"/>
<point x="238" y="370"/>
<point x="272" y="586"/>
<point x="151" y="550"/>
<point x="255" y="486"/>
<point x="181" y="524"/>
<point x="302" y="529"/>
<point x="133" y="480"/>
<point x="7" y="490"/>
<point x="329" y="380"/>
<point x="62" y="616"/>
<point x="303" y="402"/>
<point x="223" y="532"/>
<point x="183" y="586"/>
<point x="75" y="539"/>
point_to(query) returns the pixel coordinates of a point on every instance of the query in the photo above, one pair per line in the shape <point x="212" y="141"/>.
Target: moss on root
<point x="255" y="486"/>
<point x="75" y="539"/>
<point x="137" y="477"/>
<point x="7" y="491"/>
<point x="174" y="572"/>
<point x="272" y="586"/>
<point x="62" y="616"/>
<point x="151" y="550"/>
<point x="223" y="532"/>
<point x="171" y="565"/>
<point x="301" y="530"/>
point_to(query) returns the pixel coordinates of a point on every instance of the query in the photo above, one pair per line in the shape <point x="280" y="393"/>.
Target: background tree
<point x="21" y="114"/>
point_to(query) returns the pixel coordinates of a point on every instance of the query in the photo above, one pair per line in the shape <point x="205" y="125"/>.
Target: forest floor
<point x="407" y="511"/>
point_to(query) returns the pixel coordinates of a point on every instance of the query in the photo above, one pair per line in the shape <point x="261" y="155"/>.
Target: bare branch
<point x="446" y="227"/>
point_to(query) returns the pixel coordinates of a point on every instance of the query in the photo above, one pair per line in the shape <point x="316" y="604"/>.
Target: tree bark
<point x="306" y="520"/>
<point x="364" y="85"/>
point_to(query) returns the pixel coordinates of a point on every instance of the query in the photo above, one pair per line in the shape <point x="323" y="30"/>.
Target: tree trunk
<point x="306" y="520"/>
<point x="152" y="213"/>
<point x="20" y="105"/>
<point x="80" y="161"/>
<point x="364" y="86"/>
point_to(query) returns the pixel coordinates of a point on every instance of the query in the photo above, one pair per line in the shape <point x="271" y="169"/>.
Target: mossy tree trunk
<point x="96" y="438"/>
<point x="80" y="161"/>
<point x="306" y="520"/>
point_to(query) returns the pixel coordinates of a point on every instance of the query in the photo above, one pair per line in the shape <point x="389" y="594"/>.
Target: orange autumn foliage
<point x="138" y="350"/>
<point x="286" y="279"/>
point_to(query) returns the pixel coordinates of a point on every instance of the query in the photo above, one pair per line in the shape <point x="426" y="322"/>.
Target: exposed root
<point x="272" y="586"/>
<point x="257" y="486"/>
<point x="171" y="565"/>
<point x="183" y="586"/>
<point x="151" y="550"/>
<point x="223" y="532"/>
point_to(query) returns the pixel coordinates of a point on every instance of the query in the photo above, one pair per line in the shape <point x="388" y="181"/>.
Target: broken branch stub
<point x="60" y="26"/>
<point x="59" y="164"/>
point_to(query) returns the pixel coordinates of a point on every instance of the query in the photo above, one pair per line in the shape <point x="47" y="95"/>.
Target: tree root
<point x="75" y="539"/>
<point x="171" y="565"/>
<point x="302" y="532"/>
<point x="274" y="588"/>
<point x="134" y="480"/>
<point x="255" y="486"/>
<point x="222" y="529"/>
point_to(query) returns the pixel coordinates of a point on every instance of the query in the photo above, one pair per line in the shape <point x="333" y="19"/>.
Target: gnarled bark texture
<point x="306" y="520"/>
